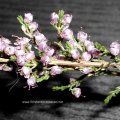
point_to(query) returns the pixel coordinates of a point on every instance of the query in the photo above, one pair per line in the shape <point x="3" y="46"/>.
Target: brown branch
<point x="81" y="63"/>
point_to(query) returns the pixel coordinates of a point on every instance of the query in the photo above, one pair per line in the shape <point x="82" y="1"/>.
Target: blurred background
<point x="101" y="20"/>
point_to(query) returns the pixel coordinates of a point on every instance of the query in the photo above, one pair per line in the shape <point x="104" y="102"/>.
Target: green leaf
<point x="68" y="46"/>
<point x="44" y="77"/>
<point x="59" y="44"/>
<point x="20" y="19"/>
<point x="61" y="14"/>
<point x="112" y="94"/>
<point x="13" y="58"/>
<point x="101" y="48"/>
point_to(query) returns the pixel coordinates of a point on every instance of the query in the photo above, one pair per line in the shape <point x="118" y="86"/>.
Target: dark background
<point x="99" y="18"/>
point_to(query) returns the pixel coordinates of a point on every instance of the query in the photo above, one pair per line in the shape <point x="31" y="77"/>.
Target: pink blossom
<point x="67" y="34"/>
<point x="55" y="70"/>
<point x="9" y="50"/>
<point x="20" y="60"/>
<point x="75" y="54"/>
<point x="86" y="56"/>
<point x="45" y="59"/>
<point x="54" y="18"/>
<point x="42" y="45"/>
<point x="33" y="26"/>
<point x="31" y="82"/>
<point x="28" y="17"/>
<point x="39" y="37"/>
<point x="67" y="19"/>
<point x="115" y="48"/>
<point x="115" y="51"/>
<point x="82" y="36"/>
<point x="29" y="56"/>
<point x="87" y="70"/>
<point x="26" y="71"/>
<point x="19" y="52"/>
<point x="49" y="51"/>
<point x="76" y="92"/>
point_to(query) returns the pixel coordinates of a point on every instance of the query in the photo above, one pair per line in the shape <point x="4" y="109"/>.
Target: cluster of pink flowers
<point x="68" y="48"/>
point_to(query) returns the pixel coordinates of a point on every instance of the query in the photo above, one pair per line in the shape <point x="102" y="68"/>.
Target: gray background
<point x="99" y="18"/>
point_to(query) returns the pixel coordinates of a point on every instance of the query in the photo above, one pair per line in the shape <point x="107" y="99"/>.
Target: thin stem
<point x="81" y="63"/>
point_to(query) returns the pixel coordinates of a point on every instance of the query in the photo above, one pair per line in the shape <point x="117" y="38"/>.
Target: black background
<point x="101" y="20"/>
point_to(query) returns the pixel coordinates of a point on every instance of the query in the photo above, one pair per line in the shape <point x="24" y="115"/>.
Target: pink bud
<point x="86" y="56"/>
<point x="26" y="71"/>
<point x="49" y="51"/>
<point x="30" y="56"/>
<point x="28" y="17"/>
<point x="115" y="51"/>
<point x="54" y="18"/>
<point x="22" y="41"/>
<point x="5" y="40"/>
<point x="82" y="36"/>
<point x="75" y="54"/>
<point x="33" y="26"/>
<point x="76" y="92"/>
<point x="67" y="19"/>
<point x="67" y="34"/>
<point x="55" y="70"/>
<point x="115" y="44"/>
<point x="2" y="46"/>
<point x="87" y="70"/>
<point x="95" y="53"/>
<point x="42" y="45"/>
<point x="19" y="52"/>
<point x="115" y="48"/>
<point x="20" y="60"/>
<point x="7" y="68"/>
<point x="31" y="82"/>
<point x="45" y="59"/>
<point x="9" y="50"/>
<point x="39" y="37"/>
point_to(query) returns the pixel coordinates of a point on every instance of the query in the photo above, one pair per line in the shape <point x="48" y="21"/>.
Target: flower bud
<point x="30" y="56"/>
<point x="7" y="68"/>
<point x="31" y="82"/>
<point x="115" y="48"/>
<point x="20" y="60"/>
<point x="54" y="18"/>
<point x="75" y="54"/>
<point x="67" y="19"/>
<point x="115" y="51"/>
<point x="28" y="17"/>
<point x="5" y="40"/>
<point x="49" y="51"/>
<point x="55" y="70"/>
<point x="39" y="37"/>
<point x="86" y="56"/>
<point x="45" y="59"/>
<point x="9" y="50"/>
<point x="33" y="26"/>
<point x="82" y="36"/>
<point x="86" y="70"/>
<point x="76" y="92"/>
<point x="26" y="71"/>
<point x="42" y="45"/>
<point x="115" y="45"/>
<point x="19" y="52"/>
<point x="67" y="34"/>
<point x="2" y="46"/>
<point x="95" y="53"/>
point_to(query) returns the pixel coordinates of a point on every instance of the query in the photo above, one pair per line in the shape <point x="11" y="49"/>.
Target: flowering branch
<point x="37" y="59"/>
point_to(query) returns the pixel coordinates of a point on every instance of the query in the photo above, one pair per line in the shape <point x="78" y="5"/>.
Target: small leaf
<point x="44" y="77"/>
<point x="101" y="48"/>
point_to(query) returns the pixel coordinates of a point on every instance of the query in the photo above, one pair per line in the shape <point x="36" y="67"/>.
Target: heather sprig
<point x="38" y="59"/>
